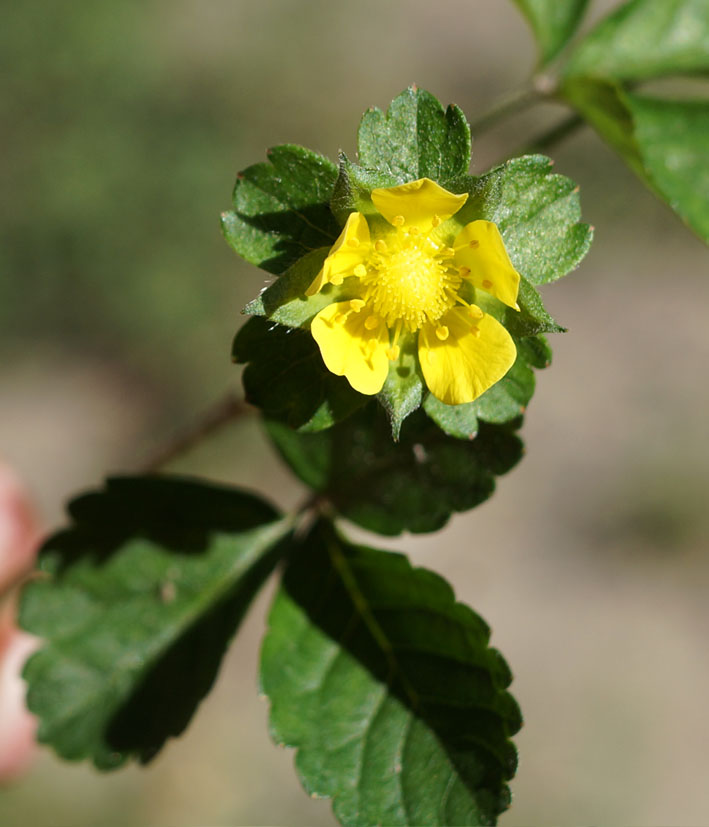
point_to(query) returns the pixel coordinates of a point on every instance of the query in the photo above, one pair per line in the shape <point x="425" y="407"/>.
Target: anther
<point x="487" y="284"/>
<point x="464" y="272"/>
<point x="474" y="243"/>
<point x="398" y="221"/>
<point x="356" y="305"/>
<point x="475" y="312"/>
<point x="435" y="221"/>
<point x="442" y="332"/>
<point x="447" y="252"/>
<point x="336" y="280"/>
<point x="393" y="353"/>
<point x="371" y="322"/>
<point x="353" y="242"/>
<point x="414" y="230"/>
<point x="380" y="245"/>
<point x="475" y="330"/>
<point x="360" y="270"/>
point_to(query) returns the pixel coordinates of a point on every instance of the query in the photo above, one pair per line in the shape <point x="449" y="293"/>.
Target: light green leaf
<point x="281" y="208"/>
<point x="553" y="23"/>
<point x="286" y="378"/>
<point x="416" y="138"/>
<point x="644" y="39"/>
<point x="140" y="597"/>
<point x="388" y="688"/>
<point x="389" y="487"/>
<point x="537" y="213"/>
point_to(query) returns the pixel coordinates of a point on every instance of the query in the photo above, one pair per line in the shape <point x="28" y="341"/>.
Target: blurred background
<point x="123" y="128"/>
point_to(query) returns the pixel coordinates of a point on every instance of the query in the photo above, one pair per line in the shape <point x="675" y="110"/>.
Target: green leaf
<point x="416" y="138"/>
<point x="353" y="189"/>
<point x="286" y="378"/>
<point x="281" y="208"/>
<point x="388" y="688"/>
<point x="663" y="141"/>
<point x="532" y="317"/>
<point x="537" y="213"/>
<point x="553" y="23"/>
<point x="389" y="487"/>
<point x="644" y="39"/>
<point x="140" y="597"/>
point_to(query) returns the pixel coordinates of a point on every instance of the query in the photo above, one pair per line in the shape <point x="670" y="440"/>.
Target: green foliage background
<point x="124" y="127"/>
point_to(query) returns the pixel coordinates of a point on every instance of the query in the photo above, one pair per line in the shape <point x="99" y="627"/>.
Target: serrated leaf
<point x="416" y="138"/>
<point x="140" y="597"/>
<point x="389" y="487"/>
<point x="663" y="141"/>
<point x="388" y="688"/>
<point x="353" y="189"/>
<point x="537" y="213"/>
<point x="645" y="39"/>
<point x="532" y="317"/>
<point x="286" y="378"/>
<point x="281" y="208"/>
<point x="553" y="23"/>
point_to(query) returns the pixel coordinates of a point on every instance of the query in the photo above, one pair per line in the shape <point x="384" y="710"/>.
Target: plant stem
<point x="508" y="105"/>
<point x="554" y="135"/>
<point x="225" y="410"/>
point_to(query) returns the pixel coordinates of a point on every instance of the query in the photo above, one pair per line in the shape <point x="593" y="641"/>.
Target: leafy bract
<point x="388" y="689"/>
<point x="281" y="208"/>
<point x="645" y="39"/>
<point x="139" y="598"/>
<point x="416" y="138"/>
<point x="285" y="377"/>
<point x="537" y="213"/>
<point x="553" y="23"/>
<point x="389" y="487"/>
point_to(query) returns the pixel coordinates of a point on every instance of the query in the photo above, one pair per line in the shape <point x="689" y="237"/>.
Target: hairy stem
<point x="555" y="135"/>
<point x="508" y="105"/>
<point x="227" y="409"/>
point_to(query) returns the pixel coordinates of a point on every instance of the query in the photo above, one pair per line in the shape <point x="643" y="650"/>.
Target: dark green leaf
<point x="388" y="688"/>
<point x="141" y="596"/>
<point x="553" y="23"/>
<point x="416" y="138"/>
<point x="644" y="39"/>
<point x="388" y="487"/>
<point x="538" y="215"/>
<point x="663" y="141"/>
<point x="353" y="189"/>
<point x="281" y="208"/>
<point x="532" y="317"/>
<point x="286" y="377"/>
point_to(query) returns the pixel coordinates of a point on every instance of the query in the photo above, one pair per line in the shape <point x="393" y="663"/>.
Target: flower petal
<point x="417" y="201"/>
<point x="349" y="349"/>
<point x="480" y="248"/>
<point x="476" y="353"/>
<point x="350" y="249"/>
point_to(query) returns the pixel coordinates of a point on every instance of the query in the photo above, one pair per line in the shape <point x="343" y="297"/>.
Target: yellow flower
<point x="409" y="268"/>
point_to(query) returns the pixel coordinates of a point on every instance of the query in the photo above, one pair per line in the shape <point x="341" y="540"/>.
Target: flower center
<point x="410" y="278"/>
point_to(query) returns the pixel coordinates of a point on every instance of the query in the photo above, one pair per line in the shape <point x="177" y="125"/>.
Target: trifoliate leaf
<point x="282" y="208"/>
<point x="388" y="688"/>
<point x="416" y="138"/>
<point x="389" y="487"/>
<point x="285" y="377"/>
<point x="537" y="213"/>
<point x="553" y="23"/>
<point x="644" y="39"/>
<point x="140" y="597"/>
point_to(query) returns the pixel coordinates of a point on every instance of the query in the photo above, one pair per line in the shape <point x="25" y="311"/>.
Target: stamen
<point x="487" y="284"/>
<point x="371" y="322"/>
<point x="435" y="221"/>
<point x="447" y="252"/>
<point x="360" y="270"/>
<point x="398" y="221"/>
<point x="380" y="245"/>
<point x="475" y="312"/>
<point x="464" y="272"/>
<point x="336" y="280"/>
<point x="356" y="305"/>
<point x="353" y="242"/>
<point x="475" y="331"/>
<point x="474" y="243"/>
<point x="393" y="353"/>
<point x="414" y="231"/>
<point x="442" y="332"/>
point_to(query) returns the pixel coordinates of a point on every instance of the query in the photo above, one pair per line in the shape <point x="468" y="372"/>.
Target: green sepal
<point x="388" y="688"/>
<point x="416" y="138"/>
<point x="136" y="604"/>
<point x="353" y="189"/>
<point x="286" y="378"/>
<point x="282" y="208"/>
<point x="388" y="487"/>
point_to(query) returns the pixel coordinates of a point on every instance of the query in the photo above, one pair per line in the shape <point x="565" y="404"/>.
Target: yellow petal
<point x="476" y="353"/>
<point x="480" y="248"/>
<point x="350" y="349"/>
<point x="350" y="249"/>
<point x="418" y="202"/>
